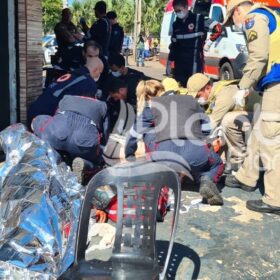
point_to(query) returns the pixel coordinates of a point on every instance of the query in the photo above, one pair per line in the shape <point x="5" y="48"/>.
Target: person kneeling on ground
<point x="219" y="99"/>
<point x="121" y="109"/>
<point x="131" y="76"/>
<point x="79" y="128"/>
<point x="181" y="147"/>
<point x="81" y="82"/>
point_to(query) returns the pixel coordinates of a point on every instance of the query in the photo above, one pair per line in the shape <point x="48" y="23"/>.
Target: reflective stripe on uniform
<point x="135" y="134"/>
<point x="75" y="81"/>
<point x="196" y="44"/>
<point x="189" y="36"/>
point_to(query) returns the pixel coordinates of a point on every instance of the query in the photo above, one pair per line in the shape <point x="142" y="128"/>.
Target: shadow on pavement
<point x="178" y="254"/>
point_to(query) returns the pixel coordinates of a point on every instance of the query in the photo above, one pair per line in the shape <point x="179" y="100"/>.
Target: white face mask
<point x="239" y="27"/>
<point x="202" y="101"/>
<point x="116" y="74"/>
<point x="181" y="15"/>
<point x="96" y="78"/>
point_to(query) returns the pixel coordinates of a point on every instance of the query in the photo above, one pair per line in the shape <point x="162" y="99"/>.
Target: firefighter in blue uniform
<point x="79" y="82"/>
<point x="175" y="138"/>
<point x="187" y="40"/>
<point x="79" y="127"/>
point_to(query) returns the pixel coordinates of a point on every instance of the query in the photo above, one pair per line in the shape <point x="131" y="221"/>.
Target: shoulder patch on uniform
<point x="191" y="27"/>
<point x="64" y="78"/>
<point x="253" y="35"/>
<point x="249" y="22"/>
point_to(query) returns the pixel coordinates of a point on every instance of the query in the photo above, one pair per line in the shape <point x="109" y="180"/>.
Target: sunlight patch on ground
<point x="244" y="215"/>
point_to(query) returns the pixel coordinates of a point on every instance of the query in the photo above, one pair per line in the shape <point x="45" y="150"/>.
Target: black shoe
<point x="232" y="182"/>
<point x="209" y="191"/>
<point x="260" y="206"/>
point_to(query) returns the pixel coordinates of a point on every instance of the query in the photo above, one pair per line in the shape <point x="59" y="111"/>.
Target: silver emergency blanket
<point x="40" y="203"/>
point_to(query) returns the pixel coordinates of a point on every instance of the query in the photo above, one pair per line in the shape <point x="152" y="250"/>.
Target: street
<point x="216" y="242"/>
<point x="151" y="69"/>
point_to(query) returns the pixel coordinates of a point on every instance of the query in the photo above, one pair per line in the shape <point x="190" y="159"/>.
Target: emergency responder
<point x="171" y="134"/>
<point x="262" y="29"/>
<point x="235" y="122"/>
<point x="121" y="109"/>
<point x="91" y="50"/>
<point x="118" y="91"/>
<point x="79" y="82"/>
<point x="100" y="31"/>
<point x="117" y="34"/>
<point x="130" y="76"/>
<point x="186" y="48"/>
<point x="79" y="127"/>
<point x="67" y="35"/>
<point x="171" y="85"/>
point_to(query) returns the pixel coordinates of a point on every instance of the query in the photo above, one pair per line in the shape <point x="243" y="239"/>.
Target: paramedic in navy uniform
<point x="187" y="40"/>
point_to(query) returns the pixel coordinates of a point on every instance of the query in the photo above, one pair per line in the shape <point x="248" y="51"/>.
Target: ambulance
<point x="227" y="56"/>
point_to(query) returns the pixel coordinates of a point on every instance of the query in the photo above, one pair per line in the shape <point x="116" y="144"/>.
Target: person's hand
<point x="239" y="97"/>
<point x="101" y="216"/>
<point x="168" y="69"/>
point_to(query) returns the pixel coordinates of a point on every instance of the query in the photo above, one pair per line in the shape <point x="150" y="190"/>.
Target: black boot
<point x="80" y="168"/>
<point x="260" y="206"/>
<point x="209" y="191"/>
<point x="232" y="182"/>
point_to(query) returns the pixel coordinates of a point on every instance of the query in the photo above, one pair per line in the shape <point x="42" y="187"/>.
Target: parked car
<point x="127" y="48"/>
<point x="49" y="46"/>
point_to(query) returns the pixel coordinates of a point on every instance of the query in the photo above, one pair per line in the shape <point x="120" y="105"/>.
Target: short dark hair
<point x="101" y="7"/>
<point x="92" y="44"/>
<point x="182" y="3"/>
<point x="116" y="59"/>
<point x="65" y="11"/>
<point x="112" y="15"/>
<point x="115" y="84"/>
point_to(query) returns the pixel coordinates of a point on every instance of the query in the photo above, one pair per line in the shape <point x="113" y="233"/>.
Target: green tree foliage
<point x="83" y="9"/>
<point x="152" y="14"/>
<point x="125" y="11"/>
<point x="51" y="14"/>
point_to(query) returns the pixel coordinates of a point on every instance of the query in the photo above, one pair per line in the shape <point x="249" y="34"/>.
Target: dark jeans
<point x="191" y="155"/>
<point x="185" y="68"/>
